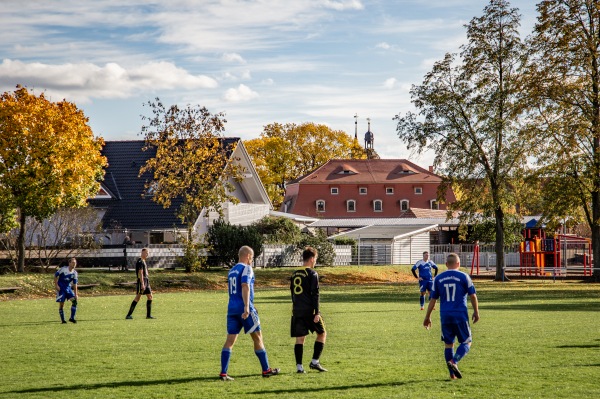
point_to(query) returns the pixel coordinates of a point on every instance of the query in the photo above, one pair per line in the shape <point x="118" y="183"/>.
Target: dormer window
<point x="434" y="204"/>
<point x="404" y="205"/>
<point x="351" y="206"/>
<point x="418" y="190"/>
<point x="362" y="190"/>
<point x="335" y="191"/>
<point x="346" y="170"/>
<point x="320" y="206"/>
<point x="389" y="190"/>
<point x="378" y="206"/>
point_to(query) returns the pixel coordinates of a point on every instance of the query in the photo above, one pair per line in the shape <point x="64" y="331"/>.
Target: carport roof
<point x="385" y="232"/>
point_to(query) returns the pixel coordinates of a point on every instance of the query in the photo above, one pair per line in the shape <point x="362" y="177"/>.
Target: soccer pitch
<point x="535" y="340"/>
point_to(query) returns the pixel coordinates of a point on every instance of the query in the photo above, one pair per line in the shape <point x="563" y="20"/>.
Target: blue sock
<point x="225" y="356"/>
<point x="262" y="356"/>
<point x="448" y="355"/>
<point x="62" y="314"/>
<point x="73" y="311"/>
<point x="422" y="300"/>
<point x="461" y="352"/>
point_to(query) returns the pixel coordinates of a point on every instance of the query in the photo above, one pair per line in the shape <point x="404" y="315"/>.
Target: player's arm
<point x="141" y="277"/>
<point x="246" y="299"/>
<point x="434" y="266"/>
<point x="413" y="271"/>
<point x="56" y="283"/>
<point x="427" y="320"/>
<point x="475" y="304"/>
<point x="315" y="296"/>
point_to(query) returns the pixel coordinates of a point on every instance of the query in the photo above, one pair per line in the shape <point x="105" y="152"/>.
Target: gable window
<point x="351" y="206"/>
<point x="389" y="190"/>
<point x="320" y="206"/>
<point x="434" y="204"/>
<point x="335" y="191"/>
<point x="377" y="206"/>
<point x="362" y="190"/>
<point x="404" y="205"/>
<point x="418" y="190"/>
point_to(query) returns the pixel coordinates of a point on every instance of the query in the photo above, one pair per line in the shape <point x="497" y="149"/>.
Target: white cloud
<point x="343" y="5"/>
<point x="86" y="80"/>
<point x="390" y="83"/>
<point x="383" y="45"/>
<point x="242" y="93"/>
<point x="268" y="82"/>
<point x="233" y="57"/>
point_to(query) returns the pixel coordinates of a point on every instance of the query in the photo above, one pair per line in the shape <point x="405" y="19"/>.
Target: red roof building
<point x="358" y="188"/>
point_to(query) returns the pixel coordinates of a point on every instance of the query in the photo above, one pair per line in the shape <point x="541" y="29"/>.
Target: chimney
<point x="431" y="169"/>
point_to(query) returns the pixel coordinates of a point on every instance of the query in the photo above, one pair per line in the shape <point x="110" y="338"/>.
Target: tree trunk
<point x="21" y="243"/>
<point x="500" y="245"/>
<point x="596" y="235"/>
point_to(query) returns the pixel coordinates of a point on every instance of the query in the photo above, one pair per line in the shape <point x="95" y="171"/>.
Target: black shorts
<point x="146" y="291"/>
<point x="303" y="324"/>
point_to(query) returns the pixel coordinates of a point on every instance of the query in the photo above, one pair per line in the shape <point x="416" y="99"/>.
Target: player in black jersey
<point x="306" y="316"/>
<point x="143" y="286"/>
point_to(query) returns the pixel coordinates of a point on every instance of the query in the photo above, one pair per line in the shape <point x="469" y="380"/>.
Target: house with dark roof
<point x="127" y="209"/>
<point x="364" y="188"/>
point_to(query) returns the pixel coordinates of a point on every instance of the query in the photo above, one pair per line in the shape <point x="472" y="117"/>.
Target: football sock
<point x="149" y="308"/>
<point x="73" y="311"/>
<point x="298" y="351"/>
<point x="262" y="356"/>
<point x="422" y="300"/>
<point x="225" y="356"/>
<point x="461" y="352"/>
<point x="62" y="314"/>
<point x="448" y="354"/>
<point x="317" y="351"/>
<point x="132" y="308"/>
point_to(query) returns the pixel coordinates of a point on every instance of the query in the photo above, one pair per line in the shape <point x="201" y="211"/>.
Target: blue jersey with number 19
<point x="238" y="275"/>
<point x="452" y="288"/>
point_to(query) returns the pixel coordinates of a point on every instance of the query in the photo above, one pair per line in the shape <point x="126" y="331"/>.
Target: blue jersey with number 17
<point x="238" y="275"/>
<point x="452" y="288"/>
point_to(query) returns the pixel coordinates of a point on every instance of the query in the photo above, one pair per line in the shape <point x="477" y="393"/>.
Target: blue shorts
<point x="460" y="331"/>
<point x="64" y="294"/>
<point x="426" y="285"/>
<point x="235" y="323"/>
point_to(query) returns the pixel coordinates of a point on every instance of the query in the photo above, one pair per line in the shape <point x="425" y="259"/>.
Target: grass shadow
<point x="335" y="388"/>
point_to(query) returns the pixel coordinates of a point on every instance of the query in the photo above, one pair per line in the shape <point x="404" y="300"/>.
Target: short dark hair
<point x="309" y="252"/>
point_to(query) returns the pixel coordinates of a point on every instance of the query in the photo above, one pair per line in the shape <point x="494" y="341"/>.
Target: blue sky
<point x="258" y="61"/>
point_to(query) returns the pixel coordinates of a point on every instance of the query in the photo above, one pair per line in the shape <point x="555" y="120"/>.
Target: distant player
<point x="242" y="314"/>
<point x="63" y="279"/>
<point x="425" y="278"/>
<point x="142" y="287"/>
<point x="452" y="288"/>
<point x="306" y="316"/>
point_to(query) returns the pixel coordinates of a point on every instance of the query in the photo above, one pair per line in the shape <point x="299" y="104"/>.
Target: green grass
<point x="534" y="340"/>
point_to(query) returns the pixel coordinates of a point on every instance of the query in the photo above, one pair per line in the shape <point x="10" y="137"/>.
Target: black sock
<point x="149" y="308"/>
<point x="298" y="350"/>
<point x="318" y="350"/>
<point x="132" y="308"/>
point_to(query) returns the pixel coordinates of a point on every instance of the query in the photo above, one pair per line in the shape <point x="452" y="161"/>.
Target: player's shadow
<point x="31" y="323"/>
<point x="335" y="388"/>
<point x="545" y="307"/>
<point x="580" y="346"/>
<point x="137" y="383"/>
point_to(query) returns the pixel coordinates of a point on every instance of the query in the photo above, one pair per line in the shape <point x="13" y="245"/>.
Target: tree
<point x="49" y="158"/>
<point x="278" y="230"/>
<point x="320" y="242"/>
<point x="191" y="162"/>
<point x="471" y="112"/>
<point x="225" y="240"/>
<point x="564" y="77"/>
<point x="285" y="152"/>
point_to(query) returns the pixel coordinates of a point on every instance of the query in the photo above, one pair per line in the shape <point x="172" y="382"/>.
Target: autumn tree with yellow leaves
<point x="284" y="152"/>
<point x="49" y="159"/>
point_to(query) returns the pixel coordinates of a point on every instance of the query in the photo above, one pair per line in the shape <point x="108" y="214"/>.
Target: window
<point x="362" y="190"/>
<point x="377" y="206"/>
<point x="389" y="190"/>
<point x="434" y="204"/>
<point x="335" y="191"/>
<point x="404" y="205"/>
<point x="351" y="206"/>
<point x="320" y="206"/>
<point x="418" y="190"/>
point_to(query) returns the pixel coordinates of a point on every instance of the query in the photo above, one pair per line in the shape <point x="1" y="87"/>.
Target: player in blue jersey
<point x="63" y="279"/>
<point x="452" y="288"/>
<point x="425" y="278"/>
<point x="241" y="313"/>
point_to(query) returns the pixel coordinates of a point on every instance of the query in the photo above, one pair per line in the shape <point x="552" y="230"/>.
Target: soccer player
<point x="452" y="288"/>
<point x="306" y="316"/>
<point x="63" y="279"/>
<point x="142" y="287"/>
<point x="425" y="278"/>
<point x="242" y="313"/>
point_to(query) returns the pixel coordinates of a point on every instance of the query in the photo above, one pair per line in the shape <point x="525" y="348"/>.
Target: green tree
<point x="191" y="162"/>
<point x="564" y="77"/>
<point x="285" y="152"/>
<point x="278" y="230"/>
<point x="49" y="158"/>
<point x="470" y="112"/>
<point x="225" y="240"/>
<point x="320" y="242"/>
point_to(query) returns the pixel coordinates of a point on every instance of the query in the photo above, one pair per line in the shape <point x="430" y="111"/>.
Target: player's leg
<point x="422" y="290"/>
<point x="448" y="337"/>
<point x="138" y="296"/>
<point x="299" y="354"/>
<point x="234" y="326"/>
<point x="261" y="354"/>
<point x="298" y="330"/>
<point x="73" y="310"/>
<point x="464" y="337"/>
<point x="60" y="298"/>
<point x="319" y="328"/>
<point x="149" y="303"/>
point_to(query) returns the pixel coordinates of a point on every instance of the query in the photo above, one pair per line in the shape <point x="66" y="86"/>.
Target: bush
<point x="225" y="240"/>
<point x="277" y="230"/>
<point x="320" y="243"/>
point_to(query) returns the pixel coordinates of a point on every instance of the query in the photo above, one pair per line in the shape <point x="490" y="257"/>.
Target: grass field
<point x="534" y="340"/>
